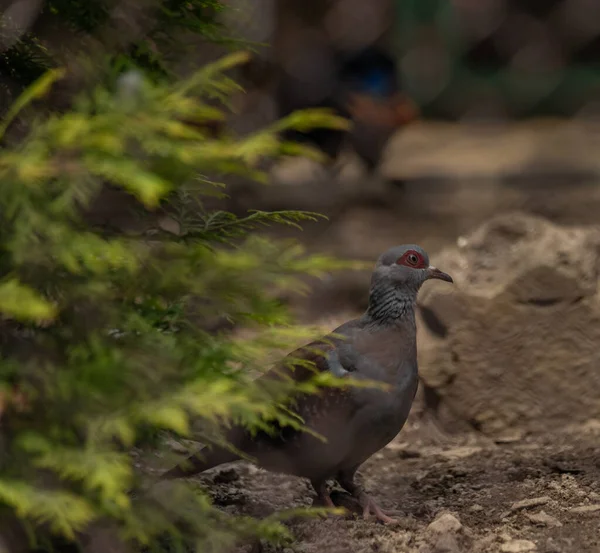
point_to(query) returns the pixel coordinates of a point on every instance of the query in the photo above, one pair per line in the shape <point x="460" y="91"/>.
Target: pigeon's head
<point x="406" y="267"/>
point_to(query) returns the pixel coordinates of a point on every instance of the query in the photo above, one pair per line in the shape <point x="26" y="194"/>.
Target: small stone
<point x="226" y="476"/>
<point x="460" y="452"/>
<point x="476" y="508"/>
<point x="509" y="436"/>
<point x="544" y="519"/>
<point x="179" y="448"/>
<point x="404" y="452"/>
<point x="446" y="544"/>
<point x="518" y="546"/>
<point x="485" y="544"/>
<point x="445" y="523"/>
<point x="585" y="509"/>
<point x="528" y="503"/>
<point x="168" y="224"/>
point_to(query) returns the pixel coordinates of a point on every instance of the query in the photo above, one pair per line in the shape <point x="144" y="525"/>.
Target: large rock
<point x="514" y="344"/>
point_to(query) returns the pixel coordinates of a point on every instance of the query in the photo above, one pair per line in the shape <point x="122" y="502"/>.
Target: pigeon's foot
<point x="365" y="501"/>
<point x="371" y="509"/>
<point x="327" y="502"/>
<point x="324" y="500"/>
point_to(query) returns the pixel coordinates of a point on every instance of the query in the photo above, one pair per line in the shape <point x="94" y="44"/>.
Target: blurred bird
<point x="356" y="422"/>
<point x="369" y="94"/>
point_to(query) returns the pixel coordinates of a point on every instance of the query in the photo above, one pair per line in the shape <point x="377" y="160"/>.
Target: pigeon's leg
<point x="205" y="459"/>
<point x="370" y="508"/>
<point x="323" y="498"/>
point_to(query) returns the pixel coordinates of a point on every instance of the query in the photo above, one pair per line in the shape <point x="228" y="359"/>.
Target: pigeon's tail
<point x="204" y="459"/>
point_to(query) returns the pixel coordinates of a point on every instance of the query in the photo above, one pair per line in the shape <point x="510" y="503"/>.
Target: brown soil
<point x="422" y="475"/>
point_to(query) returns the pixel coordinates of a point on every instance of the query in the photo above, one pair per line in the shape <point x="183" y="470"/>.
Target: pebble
<point x="446" y="544"/>
<point x="528" y="503"/>
<point x="509" y="437"/>
<point x="168" y="224"/>
<point x="226" y="476"/>
<point x="444" y="523"/>
<point x="518" y="546"/>
<point x="460" y="452"/>
<point x="586" y="509"/>
<point x="544" y="519"/>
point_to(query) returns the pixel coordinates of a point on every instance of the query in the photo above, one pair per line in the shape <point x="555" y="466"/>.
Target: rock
<point x="496" y="348"/>
<point x="544" y="519"/>
<point x="226" y="476"/>
<point x="528" y="503"/>
<point x="585" y="509"/>
<point x="484" y="544"/>
<point x="460" y="452"/>
<point x="518" y="546"/>
<point x="444" y="533"/>
<point x="509" y="436"/>
<point x="446" y="543"/>
<point x="443" y="524"/>
<point x="168" y="224"/>
<point x="402" y="450"/>
<point x="178" y="447"/>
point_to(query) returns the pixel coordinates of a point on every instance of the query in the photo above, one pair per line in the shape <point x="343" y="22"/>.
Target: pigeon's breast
<point x="388" y="357"/>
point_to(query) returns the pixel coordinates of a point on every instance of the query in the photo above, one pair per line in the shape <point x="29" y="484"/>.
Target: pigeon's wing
<point x="301" y="364"/>
<point x="322" y="355"/>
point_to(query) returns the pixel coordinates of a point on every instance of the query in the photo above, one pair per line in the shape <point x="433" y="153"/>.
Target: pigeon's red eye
<point x="411" y="259"/>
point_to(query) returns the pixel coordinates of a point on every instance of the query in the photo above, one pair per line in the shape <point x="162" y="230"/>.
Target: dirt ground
<point x="450" y="493"/>
<point x="540" y="494"/>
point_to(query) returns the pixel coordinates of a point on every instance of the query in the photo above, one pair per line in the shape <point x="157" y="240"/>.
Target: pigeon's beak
<point x="434" y="272"/>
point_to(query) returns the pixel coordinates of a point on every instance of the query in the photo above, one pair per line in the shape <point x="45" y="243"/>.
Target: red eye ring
<point x="411" y="259"/>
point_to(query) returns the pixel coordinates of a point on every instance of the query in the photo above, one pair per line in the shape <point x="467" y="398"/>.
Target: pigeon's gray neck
<point x="389" y="305"/>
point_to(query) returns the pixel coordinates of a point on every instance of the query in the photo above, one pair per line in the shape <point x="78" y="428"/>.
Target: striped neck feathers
<point x="390" y="305"/>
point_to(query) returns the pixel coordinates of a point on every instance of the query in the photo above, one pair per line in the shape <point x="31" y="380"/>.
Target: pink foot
<point x="370" y="508"/>
<point x="324" y="501"/>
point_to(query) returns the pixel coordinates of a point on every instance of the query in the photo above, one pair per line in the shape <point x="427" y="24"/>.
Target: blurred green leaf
<point x="21" y="302"/>
<point x="35" y="91"/>
<point x="134" y="287"/>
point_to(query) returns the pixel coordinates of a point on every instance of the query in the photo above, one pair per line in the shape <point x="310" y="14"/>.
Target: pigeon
<point x="355" y="421"/>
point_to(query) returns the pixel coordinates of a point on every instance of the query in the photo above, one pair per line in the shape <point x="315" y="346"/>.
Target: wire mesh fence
<point x="455" y="58"/>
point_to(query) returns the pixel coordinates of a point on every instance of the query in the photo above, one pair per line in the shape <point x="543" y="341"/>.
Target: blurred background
<point x="460" y="109"/>
<point x="476" y="134"/>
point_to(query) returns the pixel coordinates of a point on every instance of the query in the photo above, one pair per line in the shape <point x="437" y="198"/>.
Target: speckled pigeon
<point x="356" y="421"/>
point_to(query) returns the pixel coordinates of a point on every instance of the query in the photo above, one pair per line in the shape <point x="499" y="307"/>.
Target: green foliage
<point x="103" y="332"/>
<point x="163" y="30"/>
